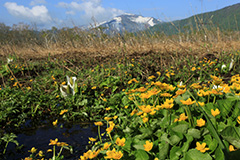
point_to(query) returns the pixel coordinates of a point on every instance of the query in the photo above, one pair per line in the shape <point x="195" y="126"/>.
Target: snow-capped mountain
<point x="128" y="22"/>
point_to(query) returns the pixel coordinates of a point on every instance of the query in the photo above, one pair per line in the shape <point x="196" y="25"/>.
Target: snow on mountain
<point x="141" y="19"/>
<point x="128" y="22"/>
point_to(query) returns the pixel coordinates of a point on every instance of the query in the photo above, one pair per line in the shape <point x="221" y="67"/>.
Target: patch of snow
<point x="99" y="24"/>
<point x="118" y="19"/>
<point x="140" y="19"/>
<point x="151" y="23"/>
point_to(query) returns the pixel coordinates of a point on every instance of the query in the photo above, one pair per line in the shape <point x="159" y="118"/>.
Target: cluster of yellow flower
<point x="110" y="154"/>
<point x="133" y="80"/>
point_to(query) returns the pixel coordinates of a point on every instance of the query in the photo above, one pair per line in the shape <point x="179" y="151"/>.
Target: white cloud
<point x="90" y="8"/>
<point x="37" y="14"/>
<point x="36" y="2"/>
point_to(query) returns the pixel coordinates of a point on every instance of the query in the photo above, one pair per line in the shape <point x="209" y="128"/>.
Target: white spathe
<point x="70" y="88"/>
<point x="63" y="89"/>
<point x="223" y="66"/>
<point x="231" y="64"/>
<point x="71" y="83"/>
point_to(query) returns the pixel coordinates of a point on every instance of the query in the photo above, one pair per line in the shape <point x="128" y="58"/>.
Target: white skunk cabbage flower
<point x="215" y="87"/>
<point x="231" y="65"/>
<point x="63" y="89"/>
<point x="9" y="60"/>
<point x="223" y="66"/>
<point x="70" y="88"/>
<point x="181" y="83"/>
<point x="71" y="82"/>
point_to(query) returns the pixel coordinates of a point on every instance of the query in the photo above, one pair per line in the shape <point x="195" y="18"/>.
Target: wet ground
<point x="75" y="135"/>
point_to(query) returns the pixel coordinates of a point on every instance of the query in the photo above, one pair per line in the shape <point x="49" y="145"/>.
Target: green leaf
<point x="181" y="128"/>
<point x="163" y="150"/>
<point x="127" y="146"/>
<point x="212" y="142"/>
<point x="114" y="89"/>
<point x="141" y="155"/>
<point x="175" y="152"/>
<point x="186" y="145"/>
<point x="236" y="110"/>
<point x="232" y="135"/>
<point x="219" y="155"/>
<point x="194" y="154"/>
<point x="195" y="133"/>
<point x="224" y="106"/>
<point x="139" y="145"/>
<point x="174" y="139"/>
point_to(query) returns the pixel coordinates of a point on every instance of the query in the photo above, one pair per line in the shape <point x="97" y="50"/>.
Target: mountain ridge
<point x="127" y="22"/>
<point x="227" y="18"/>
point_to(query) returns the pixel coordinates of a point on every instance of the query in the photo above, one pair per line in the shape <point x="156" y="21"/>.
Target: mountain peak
<point x="128" y="22"/>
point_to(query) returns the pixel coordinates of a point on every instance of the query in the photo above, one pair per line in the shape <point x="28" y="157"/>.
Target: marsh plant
<point x="70" y="89"/>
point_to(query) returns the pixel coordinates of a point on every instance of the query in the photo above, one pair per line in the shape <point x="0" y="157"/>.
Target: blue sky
<point x="67" y="13"/>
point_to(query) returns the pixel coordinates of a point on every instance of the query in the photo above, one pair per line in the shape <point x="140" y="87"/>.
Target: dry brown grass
<point x="196" y="44"/>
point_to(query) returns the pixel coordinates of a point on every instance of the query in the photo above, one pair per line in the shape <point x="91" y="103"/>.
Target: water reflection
<point x="75" y="135"/>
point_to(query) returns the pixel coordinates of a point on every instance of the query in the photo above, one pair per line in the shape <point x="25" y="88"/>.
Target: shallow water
<point x="75" y="135"/>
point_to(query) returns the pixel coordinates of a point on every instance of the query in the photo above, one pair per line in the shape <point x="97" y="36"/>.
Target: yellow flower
<point x="200" y="122"/>
<point x="106" y="146"/>
<point x="179" y="92"/>
<point x="201" y="147"/>
<point x="114" y="154"/>
<point x="231" y="148"/>
<point x="83" y="158"/>
<point x="238" y="119"/>
<point x="55" y="122"/>
<point x="40" y="153"/>
<point x="151" y="77"/>
<point x="107" y="109"/>
<point x="53" y="142"/>
<point x="196" y="86"/>
<point x="28" y="88"/>
<point x="94" y="87"/>
<point x="146" y="109"/>
<point x="107" y="118"/>
<point x="145" y="119"/>
<point x="159" y="73"/>
<point x="98" y="123"/>
<point x="165" y="95"/>
<point x="216" y="80"/>
<point x="92" y="139"/>
<point x="134" y="112"/>
<point x="193" y="68"/>
<point x="49" y="150"/>
<point x="152" y="112"/>
<point x="168" y="75"/>
<point x="125" y="107"/>
<point x="61" y="144"/>
<point x="188" y="101"/>
<point x="91" y="154"/>
<point x="33" y="150"/>
<point x="115" y="117"/>
<point x="215" y="113"/>
<point x="148" y="146"/>
<point x="201" y="104"/>
<point x="104" y="99"/>
<point x="182" y="117"/>
<point x="63" y="111"/>
<point x="110" y="128"/>
<point x="120" y="142"/>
